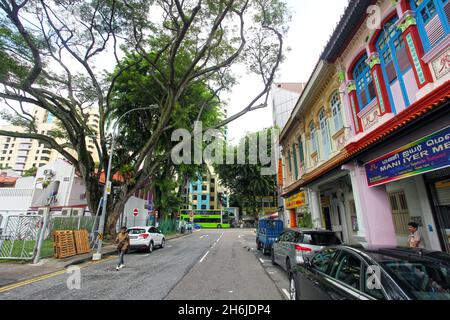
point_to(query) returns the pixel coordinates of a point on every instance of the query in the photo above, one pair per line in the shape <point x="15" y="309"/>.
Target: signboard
<point x="280" y="173"/>
<point x="136" y="212"/>
<point x="427" y="154"/>
<point x="441" y="65"/>
<point x="108" y="187"/>
<point x="297" y="200"/>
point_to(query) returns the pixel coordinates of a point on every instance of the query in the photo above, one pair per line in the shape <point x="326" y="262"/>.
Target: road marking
<point x="204" y="236"/>
<point x="145" y="256"/>
<point x="201" y="260"/>
<point x="50" y="275"/>
<point x="286" y="294"/>
<point x="262" y="261"/>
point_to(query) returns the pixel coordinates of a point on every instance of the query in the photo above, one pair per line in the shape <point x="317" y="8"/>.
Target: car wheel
<point x="292" y="290"/>
<point x="219" y="226"/>
<point x="150" y="247"/>
<point x="272" y="256"/>
<point x="259" y="245"/>
<point x="163" y="242"/>
<point x="288" y="266"/>
<point x="265" y="251"/>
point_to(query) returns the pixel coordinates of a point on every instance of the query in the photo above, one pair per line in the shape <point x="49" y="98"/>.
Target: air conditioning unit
<point x="41" y="211"/>
<point x="78" y="212"/>
<point x="66" y="212"/>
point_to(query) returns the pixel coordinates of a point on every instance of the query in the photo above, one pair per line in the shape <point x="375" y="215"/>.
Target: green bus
<point x="208" y="219"/>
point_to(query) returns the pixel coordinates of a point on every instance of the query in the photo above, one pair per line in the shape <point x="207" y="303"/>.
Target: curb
<point x="82" y="260"/>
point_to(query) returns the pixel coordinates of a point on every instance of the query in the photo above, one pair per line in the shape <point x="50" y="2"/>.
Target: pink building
<point x="391" y="166"/>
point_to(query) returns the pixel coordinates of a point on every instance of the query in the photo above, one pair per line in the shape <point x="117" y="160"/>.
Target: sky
<point x="313" y="22"/>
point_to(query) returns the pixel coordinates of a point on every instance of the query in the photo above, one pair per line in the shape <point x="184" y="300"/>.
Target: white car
<point x="146" y="238"/>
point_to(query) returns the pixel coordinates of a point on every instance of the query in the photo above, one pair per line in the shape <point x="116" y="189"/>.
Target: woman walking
<point x="123" y="242"/>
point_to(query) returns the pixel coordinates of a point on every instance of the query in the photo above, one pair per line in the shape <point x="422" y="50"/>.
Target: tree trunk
<point x="113" y="218"/>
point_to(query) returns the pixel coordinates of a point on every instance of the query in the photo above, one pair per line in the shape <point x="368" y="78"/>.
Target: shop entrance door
<point x="327" y="218"/>
<point x="441" y="193"/>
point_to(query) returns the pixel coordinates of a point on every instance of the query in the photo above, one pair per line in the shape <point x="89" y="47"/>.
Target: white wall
<point x="418" y="206"/>
<point x="140" y="220"/>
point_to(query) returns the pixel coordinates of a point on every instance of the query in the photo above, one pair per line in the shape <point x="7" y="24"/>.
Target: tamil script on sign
<point x="427" y="154"/>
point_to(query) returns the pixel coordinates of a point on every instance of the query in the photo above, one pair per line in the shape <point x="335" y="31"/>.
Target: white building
<point x="284" y="100"/>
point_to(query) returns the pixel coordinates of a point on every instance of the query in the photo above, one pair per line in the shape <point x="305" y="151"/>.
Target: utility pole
<point x="107" y="191"/>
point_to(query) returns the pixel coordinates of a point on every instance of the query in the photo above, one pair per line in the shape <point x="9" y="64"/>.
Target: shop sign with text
<point x="427" y="154"/>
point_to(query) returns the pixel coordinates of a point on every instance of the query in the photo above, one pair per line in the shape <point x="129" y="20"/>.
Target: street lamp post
<point x="101" y="227"/>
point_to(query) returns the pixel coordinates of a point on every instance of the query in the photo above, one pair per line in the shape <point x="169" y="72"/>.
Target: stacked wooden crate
<point x="82" y="241"/>
<point x="64" y="244"/>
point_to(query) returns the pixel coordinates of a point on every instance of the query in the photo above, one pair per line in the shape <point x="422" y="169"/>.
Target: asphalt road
<point x="209" y="264"/>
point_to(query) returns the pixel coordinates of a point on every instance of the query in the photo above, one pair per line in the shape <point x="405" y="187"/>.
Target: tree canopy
<point x="50" y="51"/>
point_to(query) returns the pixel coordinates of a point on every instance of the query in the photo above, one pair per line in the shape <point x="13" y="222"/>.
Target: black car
<point x="350" y="273"/>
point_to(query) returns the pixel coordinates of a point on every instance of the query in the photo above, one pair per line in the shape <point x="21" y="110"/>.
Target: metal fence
<point x="18" y="238"/>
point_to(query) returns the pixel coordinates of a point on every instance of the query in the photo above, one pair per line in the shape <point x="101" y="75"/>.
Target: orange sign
<point x="280" y="173"/>
<point x="296" y="201"/>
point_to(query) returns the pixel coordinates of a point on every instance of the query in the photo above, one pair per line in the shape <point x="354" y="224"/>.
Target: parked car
<point x="146" y="238"/>
<point x="293" y="246"/>
<point x="348" y="273"/>
<point x="266" y="233"/>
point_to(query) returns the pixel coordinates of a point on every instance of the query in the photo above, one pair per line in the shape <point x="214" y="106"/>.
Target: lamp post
<point x="101" y="227"/>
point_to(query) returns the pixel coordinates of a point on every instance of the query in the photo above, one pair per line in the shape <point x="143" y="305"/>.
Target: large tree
<point x="247" y="182"/>
<point x="49" y="52"/>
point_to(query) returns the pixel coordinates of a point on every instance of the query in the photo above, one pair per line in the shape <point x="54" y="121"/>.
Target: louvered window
<point x="433" y="19"/>
<point x="365" y="89"/>
<point x="400" y="212"/>
<point x="337" y="112"/>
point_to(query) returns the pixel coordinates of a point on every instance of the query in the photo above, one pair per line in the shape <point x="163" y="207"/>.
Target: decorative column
<point x="314" y="204"/>
<point x="351" y="90"/>
<point x="374" y="63"/>
<point x="408" y="26"/>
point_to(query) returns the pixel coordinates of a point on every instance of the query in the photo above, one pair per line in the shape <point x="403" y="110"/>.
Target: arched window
<point x="365" y="89"/>
<point x="312" y="130"/>
<point x="433" y="20"/>
<point x="325" y="134"/>
<point x="337" y="111"/>
<point x="394" y="59"/>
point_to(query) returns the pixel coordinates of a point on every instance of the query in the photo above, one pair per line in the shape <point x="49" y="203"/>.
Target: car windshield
<point x="136" y="231"/>
<point x="423" y="280"/>
<point x="322" y="239"/>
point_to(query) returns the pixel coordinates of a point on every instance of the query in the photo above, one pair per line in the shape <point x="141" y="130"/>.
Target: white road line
<point x="204" y="236"/>
<point x="286" y="294"/>
<point x="262" y="261"/>
<point x="146" y="255"/>
<point x="201" y="260"/>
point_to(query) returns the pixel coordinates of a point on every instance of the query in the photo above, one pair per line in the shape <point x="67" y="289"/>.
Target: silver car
<point x="293" y="246"/>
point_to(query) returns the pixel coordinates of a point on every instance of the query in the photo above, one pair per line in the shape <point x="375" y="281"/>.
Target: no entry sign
<point x="136" y="212"/>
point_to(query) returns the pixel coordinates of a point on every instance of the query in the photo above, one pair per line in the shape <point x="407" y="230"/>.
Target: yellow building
<point x="23" y="154"/>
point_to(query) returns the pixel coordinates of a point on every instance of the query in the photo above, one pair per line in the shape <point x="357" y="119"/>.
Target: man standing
<point x="123" y="242"/>
<point x="415" y="238"/>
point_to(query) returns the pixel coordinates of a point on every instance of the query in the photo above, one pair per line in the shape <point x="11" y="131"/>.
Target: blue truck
<point x="268" y="230"/>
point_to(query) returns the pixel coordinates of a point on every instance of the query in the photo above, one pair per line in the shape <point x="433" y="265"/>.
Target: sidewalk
<point x="11" y="273"/>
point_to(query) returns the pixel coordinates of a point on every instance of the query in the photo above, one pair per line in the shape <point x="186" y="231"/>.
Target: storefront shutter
<point x="443" y="193"/>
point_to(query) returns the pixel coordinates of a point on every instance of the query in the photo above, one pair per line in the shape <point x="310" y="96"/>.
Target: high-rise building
<point x="22" y="154"/>
<point x="284" y="99"/>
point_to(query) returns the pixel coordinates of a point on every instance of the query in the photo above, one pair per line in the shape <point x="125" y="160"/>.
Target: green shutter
<point x="290" y="162"/>
<point x="300" y="151"/>
<point x="295" y="162"/>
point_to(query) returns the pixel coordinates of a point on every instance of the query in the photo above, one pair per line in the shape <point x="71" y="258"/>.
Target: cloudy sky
<point x="313" y="21"/>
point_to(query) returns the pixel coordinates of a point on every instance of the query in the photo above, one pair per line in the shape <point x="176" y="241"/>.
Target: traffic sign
<point x="136" y="212"/>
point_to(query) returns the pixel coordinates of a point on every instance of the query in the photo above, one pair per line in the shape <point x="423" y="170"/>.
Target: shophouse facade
<point x="388" y="163"/>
